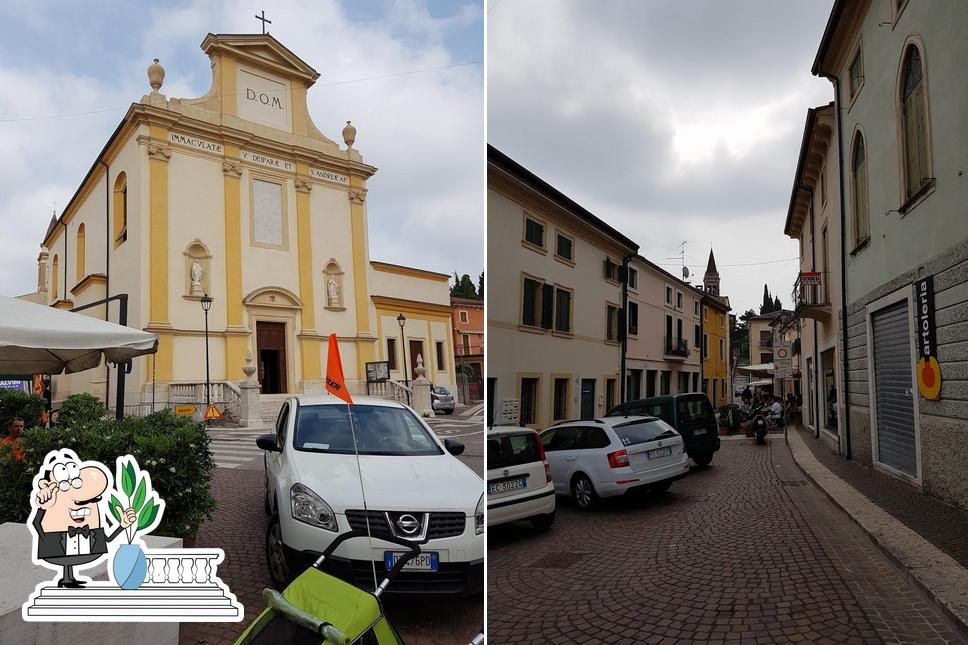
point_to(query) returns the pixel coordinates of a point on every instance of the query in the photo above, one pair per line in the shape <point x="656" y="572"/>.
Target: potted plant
<point x="130" y="565"/>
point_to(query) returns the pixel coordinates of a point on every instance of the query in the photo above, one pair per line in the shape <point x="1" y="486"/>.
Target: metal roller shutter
<point x="893" y="389"/>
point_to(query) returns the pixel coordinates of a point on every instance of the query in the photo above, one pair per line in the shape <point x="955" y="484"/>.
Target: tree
<point x="480" y="285"/>
<point x="749" y="313"/>
<point x="777" y="305"/>
<point x="767" y="305"/>
<point x="463" y="287"/>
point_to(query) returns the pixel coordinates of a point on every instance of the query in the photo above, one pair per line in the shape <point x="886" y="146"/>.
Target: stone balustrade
<point x="182" y="566"/>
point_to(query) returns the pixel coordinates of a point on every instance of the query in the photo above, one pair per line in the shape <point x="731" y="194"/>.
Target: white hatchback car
<point x="415" y="490"/>
<point x="596" y="458"/>
<point x="519" y="485"/>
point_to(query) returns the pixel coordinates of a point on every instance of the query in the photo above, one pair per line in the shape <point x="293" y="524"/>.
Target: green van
<point x="690" y="414"/>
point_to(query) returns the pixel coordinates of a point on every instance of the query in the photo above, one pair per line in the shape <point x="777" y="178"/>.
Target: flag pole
<point x="336" y="385"/>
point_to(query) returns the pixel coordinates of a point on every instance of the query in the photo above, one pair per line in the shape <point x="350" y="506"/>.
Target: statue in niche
<point x="197" y="273"/>
<point x="333" y="293"/>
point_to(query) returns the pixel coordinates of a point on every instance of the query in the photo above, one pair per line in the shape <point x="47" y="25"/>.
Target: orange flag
<point x="335" y="384"/>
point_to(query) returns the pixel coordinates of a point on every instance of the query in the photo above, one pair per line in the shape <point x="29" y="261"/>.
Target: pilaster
<point x="357" y="197"/>
<point x="311" y="364"/>
<point x="235" y="344"/>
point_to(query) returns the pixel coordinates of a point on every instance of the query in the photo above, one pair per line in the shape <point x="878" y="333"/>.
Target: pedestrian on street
<point x="14" y="432"/>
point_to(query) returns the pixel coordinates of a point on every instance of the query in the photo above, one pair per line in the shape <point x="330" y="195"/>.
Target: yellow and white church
<point x="237" y="195"/>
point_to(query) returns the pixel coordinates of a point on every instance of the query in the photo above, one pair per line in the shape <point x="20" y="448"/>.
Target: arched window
<point x="53" y="280"/>
<point x="80" y="254"/>
<point x="914" y="123"/>
<point x="120" y="209"/>
<point x="862" y="222"/>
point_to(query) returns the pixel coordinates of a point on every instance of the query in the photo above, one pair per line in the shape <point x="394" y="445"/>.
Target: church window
<point x="534" y="232"/>
<point x="859" y="177"/>
<point x="392" y="353"/>
<point x="120" y="210"/>
<point x="79" y="254"/>
<point x="914" y="124"/>
<point x="53" y="280"/>
<point x="268" y="214"/>
<point x="441" y="358"/>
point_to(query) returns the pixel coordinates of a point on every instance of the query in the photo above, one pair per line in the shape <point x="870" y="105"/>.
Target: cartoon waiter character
<point x="67" y="516"/>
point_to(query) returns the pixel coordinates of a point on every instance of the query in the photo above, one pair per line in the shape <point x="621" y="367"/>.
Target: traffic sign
<point x="213" y="412"/>
<point x="185" y="409"/>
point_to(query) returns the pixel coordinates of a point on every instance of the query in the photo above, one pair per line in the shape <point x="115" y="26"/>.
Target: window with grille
<point x="560" y="410"/>
<point x="529" y="401"/>
<point x="392" y="353"/>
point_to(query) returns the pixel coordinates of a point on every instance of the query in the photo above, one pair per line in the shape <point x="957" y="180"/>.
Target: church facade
<point x="238" y="196"/>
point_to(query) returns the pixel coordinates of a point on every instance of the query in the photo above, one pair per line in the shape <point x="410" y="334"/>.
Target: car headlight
<point x="479" y="516"/>
<point x="310" y="508"/>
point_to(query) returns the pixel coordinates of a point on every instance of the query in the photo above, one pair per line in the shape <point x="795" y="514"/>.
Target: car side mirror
<point x="454" y="447"/>
<point x="268" y="443"/>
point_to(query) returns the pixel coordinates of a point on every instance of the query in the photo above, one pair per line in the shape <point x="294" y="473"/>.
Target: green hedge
<point x="80" y="410"/>
<point x="14" y="403"/>
<point x="173" y="449"/>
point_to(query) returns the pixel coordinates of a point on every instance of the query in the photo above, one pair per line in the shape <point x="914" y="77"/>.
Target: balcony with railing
<point x="810" y="296"/>
<point x="470" y="349"/>
<point x="676" y="347"/>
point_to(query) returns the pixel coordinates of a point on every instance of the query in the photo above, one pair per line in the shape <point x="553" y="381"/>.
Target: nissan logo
<point x="660" y="444"/>
<point x="408" y="524"/>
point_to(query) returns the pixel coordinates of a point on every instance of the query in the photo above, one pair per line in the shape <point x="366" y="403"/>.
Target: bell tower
<point x="710" y="280"/>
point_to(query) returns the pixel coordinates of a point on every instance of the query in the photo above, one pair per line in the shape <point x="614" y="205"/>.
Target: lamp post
<point x="402" y="320"/>
<point x="206" y="305"/>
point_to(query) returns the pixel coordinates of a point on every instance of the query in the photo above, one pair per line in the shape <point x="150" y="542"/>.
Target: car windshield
<point x="694" y="409"/>
<point x="441" y="390"/>
<point x="512" y="450"/>
<point x="640" y="431"/>
<point x="380" y="430"/>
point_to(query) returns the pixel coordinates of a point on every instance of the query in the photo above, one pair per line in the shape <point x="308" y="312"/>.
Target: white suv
<point x="596" y="458"/>
<point x="415" y="490"/>
<point x="519" y="485"/>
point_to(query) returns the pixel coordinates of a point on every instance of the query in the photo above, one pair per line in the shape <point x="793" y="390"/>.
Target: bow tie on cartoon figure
<point x="68" y="516"/>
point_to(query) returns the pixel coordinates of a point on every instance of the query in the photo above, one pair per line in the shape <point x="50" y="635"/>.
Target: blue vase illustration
<point x="130" y="566"/>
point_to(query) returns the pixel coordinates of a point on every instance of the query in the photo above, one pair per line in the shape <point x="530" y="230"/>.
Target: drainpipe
<point x="107" y="272"/>
<point x="843" y="258"/>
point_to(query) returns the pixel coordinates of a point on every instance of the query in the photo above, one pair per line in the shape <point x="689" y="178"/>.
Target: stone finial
<point x="156" y="75"/>
<point x="249" y="368"/>
<point x="349" y="134"/>
<point x="420" y="370"/>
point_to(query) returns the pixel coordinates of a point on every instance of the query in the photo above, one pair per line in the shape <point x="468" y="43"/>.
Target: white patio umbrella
<point x="758" y="369"/>
<point x="35" y="339"/>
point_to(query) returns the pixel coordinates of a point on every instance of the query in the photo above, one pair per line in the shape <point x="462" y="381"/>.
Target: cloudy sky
<point x="672" y="121"/>
<point x="424" y="131"/>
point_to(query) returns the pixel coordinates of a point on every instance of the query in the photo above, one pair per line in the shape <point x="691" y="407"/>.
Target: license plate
<point x="426" y="561"/>
<point x="699" y="431"/>
<point x="658" y="452"/>
<point x="505" y="486"/>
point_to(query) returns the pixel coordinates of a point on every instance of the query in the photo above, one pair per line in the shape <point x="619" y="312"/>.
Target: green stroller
<point x="320" y="609"/>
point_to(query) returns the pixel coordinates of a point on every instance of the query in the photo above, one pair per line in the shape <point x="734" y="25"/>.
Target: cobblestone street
<point x="239" y="528"/>
<point x="746" y="551"/>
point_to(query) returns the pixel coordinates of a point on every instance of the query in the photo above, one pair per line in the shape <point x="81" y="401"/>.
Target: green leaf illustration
<point x="113" y="507"/>
<point x="127" y="479"/>
<point x="147" y="514"/>
<point x="139" y="497"/>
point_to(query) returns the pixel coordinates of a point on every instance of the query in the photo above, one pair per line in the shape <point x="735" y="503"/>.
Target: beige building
<point x="554" y="301"/>
<point x="664" y="354"/>
<point x="238" y="195"/>
<point x="814" y="219"/>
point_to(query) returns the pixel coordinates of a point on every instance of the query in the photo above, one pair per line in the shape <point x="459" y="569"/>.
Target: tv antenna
<point x="682" y="258"/>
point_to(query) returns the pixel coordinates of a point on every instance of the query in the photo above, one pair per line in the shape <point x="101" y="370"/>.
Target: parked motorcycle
<point x="760" y="426"/>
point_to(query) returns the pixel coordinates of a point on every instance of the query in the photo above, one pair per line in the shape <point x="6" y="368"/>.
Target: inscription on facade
<point x="328" y="176"/>
<point x="265" y="160"/>
<point x="194" y="142"/>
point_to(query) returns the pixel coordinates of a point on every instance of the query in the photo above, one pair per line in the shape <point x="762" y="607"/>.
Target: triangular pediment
<point x="262" y="51"/>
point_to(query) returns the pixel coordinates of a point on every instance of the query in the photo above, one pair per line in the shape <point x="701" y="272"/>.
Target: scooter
<point x="759" y="427"/>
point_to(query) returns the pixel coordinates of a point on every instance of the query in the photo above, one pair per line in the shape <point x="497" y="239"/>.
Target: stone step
<point x="97" y="599"/>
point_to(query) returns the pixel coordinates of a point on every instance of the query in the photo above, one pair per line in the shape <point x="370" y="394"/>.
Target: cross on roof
<point x="264" y="21"/>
